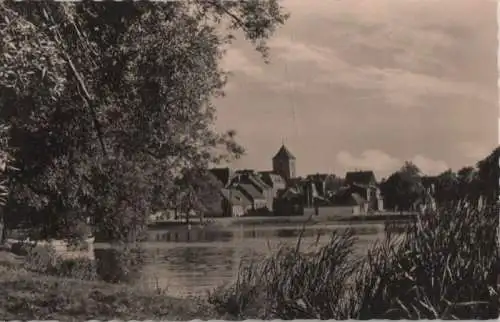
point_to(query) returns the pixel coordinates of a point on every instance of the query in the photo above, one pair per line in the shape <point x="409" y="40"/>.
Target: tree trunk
<point x="202" y="217"/>
<point x="3" y="229"/>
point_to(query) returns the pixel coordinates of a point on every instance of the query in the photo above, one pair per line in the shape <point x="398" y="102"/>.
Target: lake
<point x="190" y="263"/>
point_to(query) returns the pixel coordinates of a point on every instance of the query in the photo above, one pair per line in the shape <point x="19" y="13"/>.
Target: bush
<point x="45" y="260"/>
<point x="21" y="248"/>
<point x="444" y="266"/>
<point x="80" y="268"/>
<point x="77" y="235"/>
<point x="121" y="263"/>
<point x="41" y="259"/>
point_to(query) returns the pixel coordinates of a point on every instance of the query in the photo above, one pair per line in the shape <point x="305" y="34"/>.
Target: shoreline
<point x="226" y="222"/>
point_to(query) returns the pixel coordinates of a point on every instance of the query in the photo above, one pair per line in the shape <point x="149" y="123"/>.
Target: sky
<point x="367" y="85"/>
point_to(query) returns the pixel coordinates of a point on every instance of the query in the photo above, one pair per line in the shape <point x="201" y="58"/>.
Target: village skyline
<point x="234" y="166"/>
<point x="379" y="85"/>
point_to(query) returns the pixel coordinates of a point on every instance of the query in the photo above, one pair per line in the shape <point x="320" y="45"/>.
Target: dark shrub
<point x="121" y="263"/>
<point x="79" y="268"/>
<point x="21" y="249"/>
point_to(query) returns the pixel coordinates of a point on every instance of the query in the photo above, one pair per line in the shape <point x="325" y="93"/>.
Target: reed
<point x="444" y="265"/>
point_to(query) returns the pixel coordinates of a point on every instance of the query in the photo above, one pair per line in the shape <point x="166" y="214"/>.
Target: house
<point x="365" y="185"/>
<point x="320" y="181"/>
<point x="347" y="198"/>
<point x="257" y="199"/>
<point x="366" y="178"/>
<point x="259" y="189"/>
<point x="263" y="191"/>
<point x="273" y="180"/>
<point x="235" y="204"/>
<point x="315" y="188"/>
<point x="224" y="175"/>
<point x="359" y="204"/>
<point x="310" y="192"/>
<point x="289" y="202"/>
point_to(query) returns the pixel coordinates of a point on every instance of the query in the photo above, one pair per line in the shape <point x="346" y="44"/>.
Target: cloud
<point x="291" y="50"/>
<point x="474" y="150"/>
<point x="375" y="160"/>
<point x="429" y="166"/>
<point x="383" y="164"/>
<point x="402" y="12"/>
<point x="406" y="77"/>
<point x="401" y="88"/>
<point x="398" y="84"/>
<point x="404" y="88"/>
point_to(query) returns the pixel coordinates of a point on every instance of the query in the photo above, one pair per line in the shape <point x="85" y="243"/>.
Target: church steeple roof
<point x="284" y="153"/>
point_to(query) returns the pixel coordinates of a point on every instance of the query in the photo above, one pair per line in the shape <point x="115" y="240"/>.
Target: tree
<point x="403" y="188"/>
<point x="488" y="176"/>
<point x="107" y="102"/>
<point x="5" y="161"/>
<point x="447" y="187"/>
<point x="468" y="183"/>
<point x="197" y="190"/>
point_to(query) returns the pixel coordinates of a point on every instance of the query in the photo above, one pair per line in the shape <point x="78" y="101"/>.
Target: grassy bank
<point x="445" y="266"/>
<point x="25" y="295"/>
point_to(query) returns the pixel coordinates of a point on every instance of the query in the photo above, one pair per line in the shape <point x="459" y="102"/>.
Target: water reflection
<point x="178" y="235"/>
<point x="191" y="262"/>
<point x="219" y="235"/>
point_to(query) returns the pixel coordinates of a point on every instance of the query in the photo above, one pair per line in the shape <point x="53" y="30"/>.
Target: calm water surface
<point x="190" y="263"/>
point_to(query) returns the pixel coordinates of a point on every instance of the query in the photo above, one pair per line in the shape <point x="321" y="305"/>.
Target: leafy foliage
<point x="199" y="191"/>
<point x="122" y="263"/>
<point x="488" y="173"/>
<point x="469" y="184"/>
<point x="447" y="189"/>
<point x="45" y="260"/>
<point x="108" y="102"/>
<point x="403" y="187"/>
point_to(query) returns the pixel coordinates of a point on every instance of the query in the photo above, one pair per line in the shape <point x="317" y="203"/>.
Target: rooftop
<point x="223" y="174"/>
<point x="251" y="191"/>
<point x="235" y="197"/>
<point x="284" y="153"/>
<point x="360" y="177"/>
<point x="271" y="178"/>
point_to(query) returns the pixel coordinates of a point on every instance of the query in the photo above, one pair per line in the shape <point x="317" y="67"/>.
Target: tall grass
<point x="444" y="266"/>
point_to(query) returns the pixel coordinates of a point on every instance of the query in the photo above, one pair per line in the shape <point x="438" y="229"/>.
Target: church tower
<point x="284" y="163"/>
